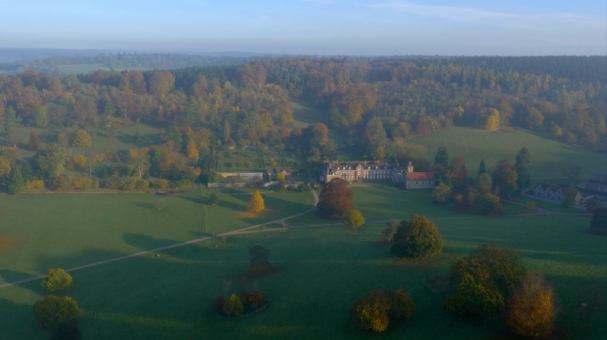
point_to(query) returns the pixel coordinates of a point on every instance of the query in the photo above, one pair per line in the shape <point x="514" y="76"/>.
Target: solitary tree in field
<point x="335" y="199"/>
<point x="34" y="142"/>
<point x="256" y="203"/>
<point x="16" y="184"/>
<point x="417" y="238"/>
<point x="56" y="280"/>
<point x="531" y="311"/>
<point x="214" y="199"/>
<point x="233" y="306"/>
<point x="82" y="139"/>
<point x="53" y="310"/>
<point x="354" y="219"/>
<point x="481" y="168"/>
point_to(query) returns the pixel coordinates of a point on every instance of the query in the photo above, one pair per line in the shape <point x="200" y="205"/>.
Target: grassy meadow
<point x="548" y="157"/>
<point x="323" y="271"/>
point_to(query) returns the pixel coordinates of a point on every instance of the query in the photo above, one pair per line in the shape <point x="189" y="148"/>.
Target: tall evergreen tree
<point x="522" y="168"/>
<point x="16" y="184"/>
<point x="442" y="157"/>
<point x="481" y="168"/>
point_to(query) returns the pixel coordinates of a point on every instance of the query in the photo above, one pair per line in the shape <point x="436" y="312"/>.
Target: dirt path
<point x="236" y="232"/>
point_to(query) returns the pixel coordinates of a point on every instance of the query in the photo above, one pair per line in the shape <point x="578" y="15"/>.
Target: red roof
<point x="420" y="176"/>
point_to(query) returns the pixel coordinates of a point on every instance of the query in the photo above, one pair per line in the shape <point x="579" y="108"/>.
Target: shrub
<point x="184" y="184"/>
<point x="371" y="313"/>
<point x="252" y="298"/>
<point x="162" y="184"/>
<point x="416" y="238"/>
<point x="56" y="280"/>
<point x="441" y="194"/>
<point x="376" y="311"/>
<point x="354" y="219"/>
<point x="473" y="298"/>
<point x="233" y="306"/>
<point x="36" y="184"/>
<point x="49" y="312"/>
<point x="67" y="330"/>
<point x="142" y="184"/>
<point x="531" y="310"/>
<point x="259" y="257"/>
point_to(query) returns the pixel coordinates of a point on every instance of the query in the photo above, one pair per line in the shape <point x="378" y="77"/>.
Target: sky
<point x="311" y="27"/>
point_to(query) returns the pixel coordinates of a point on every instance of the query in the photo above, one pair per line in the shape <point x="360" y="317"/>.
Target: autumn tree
<point x="378" y="154"/>
<point x="378" y="309"/>
<point x="483" y="183"/>
<point x="16" y="184"/>
<point x="489" y="119"/>
<point x="256" y="203"/>
<point x="531" y="311"/>
<point x="50" y="162"/>
<point x="488" y="204"/>
<point x="441" y="194"/>
<point x="5" y="167"/>
<point x="56" y="280"/>
<point x="34" y="142"/>
<point x="416" y="238"/>
<point x="53" y="310"/>
<point x="81" y="139"/>
<point x="233" y="306"/>
<point x="335" y="199"/>
<point x="353" y="219"/>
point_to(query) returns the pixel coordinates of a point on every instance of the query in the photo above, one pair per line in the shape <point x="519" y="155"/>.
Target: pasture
<point x="324" y="270"/>
<point x="548" y="157"/>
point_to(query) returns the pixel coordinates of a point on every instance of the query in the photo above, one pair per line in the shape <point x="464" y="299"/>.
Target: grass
<point x="305" y="114"/>
<point x="70" y="230"/>
<point x="324" y="271"/>
<point x="124" y="139"/>
<point x="241" y="156"/>
<point x="548" y="157"/>
<point x="545" y="205"/>
<point x="87" y="68"/>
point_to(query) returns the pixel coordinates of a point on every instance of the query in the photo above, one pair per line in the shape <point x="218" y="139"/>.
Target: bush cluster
<point x="376" y="311"/>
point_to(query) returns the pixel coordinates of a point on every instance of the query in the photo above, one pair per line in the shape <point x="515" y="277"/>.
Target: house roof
<point x="544" y="187"/>
<point x="420" y="176"/>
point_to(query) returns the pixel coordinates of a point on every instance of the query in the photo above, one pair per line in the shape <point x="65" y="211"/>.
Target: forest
<point x="374" y="103"/>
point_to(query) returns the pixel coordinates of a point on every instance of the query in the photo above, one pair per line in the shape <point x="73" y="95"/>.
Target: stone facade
<point x="377" y="171"/>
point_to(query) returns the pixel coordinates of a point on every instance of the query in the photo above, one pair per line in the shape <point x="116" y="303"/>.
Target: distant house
<point x="287" y="172"/>
<point x="555" y="194"/>
<point x="594" y="185"/>
<point x="414" y="180"/>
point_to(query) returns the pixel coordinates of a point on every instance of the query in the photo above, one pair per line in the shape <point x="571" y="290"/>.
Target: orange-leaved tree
<point x="256" y="203"/>
<point x="34" y="142"/>
<point x="531" y="311"/>
<point x="335" y="199"/>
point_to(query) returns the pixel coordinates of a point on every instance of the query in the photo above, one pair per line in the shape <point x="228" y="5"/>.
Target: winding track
<point x="248" y="230"/>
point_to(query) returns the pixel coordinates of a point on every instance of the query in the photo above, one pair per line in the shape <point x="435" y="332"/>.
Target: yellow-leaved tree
<point x="82" y="139"/>
<point x="192" y="151"/>
<point x="256" y="203"/>
<point x="489" y="119"/>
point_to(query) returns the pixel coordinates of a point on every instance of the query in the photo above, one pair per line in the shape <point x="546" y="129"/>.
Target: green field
<point x="239" y="158"/>
<point x="305" y="114"/>
<point x="548" y="157"/>
<point x="88" y="68"/>
<point x="324" y="270"/>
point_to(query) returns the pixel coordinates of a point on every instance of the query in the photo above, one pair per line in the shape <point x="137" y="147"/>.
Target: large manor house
<point x="377" y="171"/>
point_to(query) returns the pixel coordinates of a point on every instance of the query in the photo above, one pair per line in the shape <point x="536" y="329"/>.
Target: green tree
<point x="174" y="133"/>
<point x="16" y="185"/>
<point x="378" y="154"/>
<point x="10" y="120"/>
<point x="214" y="199"/>
<point x="509" y="182"/>
<point x="441" y="194"/>
<point x="483" y="183"/>
<point x="50" y="162"/>
<point x="226" y="130"/>
<point x="481" y="168"/>
<point x="472" y="297"/>
<point x="570" y="194"/>
<point x="522" y="168"/>
<point x="233" y="306"/>
<point x="416" y="238"/>
<point x="442" y="157"/>
<point x="53" y="310"/>
<point x="353" y="219"/>
<point x="56" y="280"/>
<point x="82" y="139"/>
<point x="371" y="313"/>
<point x="488" y="204"/>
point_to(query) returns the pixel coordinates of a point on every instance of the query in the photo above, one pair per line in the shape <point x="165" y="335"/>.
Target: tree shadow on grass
<point x="18" y="322"/>
<point x="146" y="205"/>
<point x="145" y="242"/>
<point x="10" y="276"/>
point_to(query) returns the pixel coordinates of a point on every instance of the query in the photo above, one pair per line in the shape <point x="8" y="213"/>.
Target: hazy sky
<point x="326" y="27"/>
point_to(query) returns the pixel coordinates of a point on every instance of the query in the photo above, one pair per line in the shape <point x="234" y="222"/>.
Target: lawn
<point x="548" y="157"/>
<point x="235" y="160"/>
<point x="381" y="204"/>
<point x="305" y="114"/>
<point x="89" y="68"/>
<point x="42" y="231"/>
<point x="324" y="270"/>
